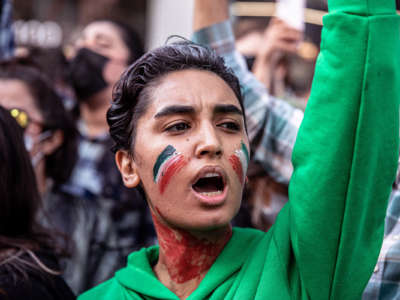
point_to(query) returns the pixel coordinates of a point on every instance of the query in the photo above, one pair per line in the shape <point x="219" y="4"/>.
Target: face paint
<point x="168" y="163"/>
<point x="187" y="257"/>
<point x="240" y="161"/>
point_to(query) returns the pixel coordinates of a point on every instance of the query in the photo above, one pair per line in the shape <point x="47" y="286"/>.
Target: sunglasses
<point x="22" y="118"/>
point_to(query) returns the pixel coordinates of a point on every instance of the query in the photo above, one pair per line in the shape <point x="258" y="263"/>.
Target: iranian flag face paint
<point x="240" y="161"/>
<point x="168" y="163"/>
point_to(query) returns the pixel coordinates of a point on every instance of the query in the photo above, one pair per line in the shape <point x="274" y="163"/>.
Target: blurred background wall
<point x="52" y="22"/>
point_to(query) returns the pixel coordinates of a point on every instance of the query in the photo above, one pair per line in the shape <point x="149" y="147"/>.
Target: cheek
<point x="167" y="165"/>
<point x="239" y="161"/>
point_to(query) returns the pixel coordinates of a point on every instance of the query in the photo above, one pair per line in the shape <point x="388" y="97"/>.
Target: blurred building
<point x="49" y="23"/>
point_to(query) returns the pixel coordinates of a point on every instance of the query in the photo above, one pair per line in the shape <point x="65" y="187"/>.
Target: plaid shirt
<point x="6" y="32"/>
<point x="272" y="123"/>
<point x="385" y="281"/>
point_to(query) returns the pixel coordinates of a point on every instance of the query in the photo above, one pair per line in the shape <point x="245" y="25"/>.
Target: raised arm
<point x="272" y="123"/>
<point x="346" y="153"/>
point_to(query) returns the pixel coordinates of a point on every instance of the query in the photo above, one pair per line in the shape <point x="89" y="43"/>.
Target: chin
<point x="211" y="222"/>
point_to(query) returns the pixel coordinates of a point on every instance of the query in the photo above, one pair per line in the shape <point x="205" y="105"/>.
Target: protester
<point x="103" y="50"/>
<point x="182" y="98"/>
<point x="51" y="139"/>
<point x="50" y="134"/>
<point x="28" y="265"/>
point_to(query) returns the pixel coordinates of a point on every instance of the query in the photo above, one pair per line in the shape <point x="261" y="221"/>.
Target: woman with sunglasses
<point x="51" y="140"/>
<point x="28" y="267"/>
<point x="49" y="131"/>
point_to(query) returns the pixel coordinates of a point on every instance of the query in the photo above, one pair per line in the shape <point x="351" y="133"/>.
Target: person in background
<point x="51" y="138"/>
<point x="50" y="134"/>
<point x="101" y="53"/>
<point x="279" y="58"/>
<point x="28" y="264"/>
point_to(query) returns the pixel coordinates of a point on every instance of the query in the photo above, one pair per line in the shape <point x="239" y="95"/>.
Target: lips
<point x="210" y="185"/>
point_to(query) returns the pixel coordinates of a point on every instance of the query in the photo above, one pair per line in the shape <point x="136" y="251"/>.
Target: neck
<point x="93" y="113"/>
<point x="185" y="257"/>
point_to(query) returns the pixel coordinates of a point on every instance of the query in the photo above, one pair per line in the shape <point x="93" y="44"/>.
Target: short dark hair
<point x="131" y="92"/>
<point x="60" y="163"/>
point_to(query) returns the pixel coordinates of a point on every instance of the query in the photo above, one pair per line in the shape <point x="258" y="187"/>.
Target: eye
<point x="230" y="126"/>
<point x="178" y="127"/>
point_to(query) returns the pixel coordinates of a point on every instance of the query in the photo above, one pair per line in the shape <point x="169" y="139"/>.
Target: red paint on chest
<point x="187" y="257"/>
<point x="237" y="166"/>
<point x="170" y="169"/>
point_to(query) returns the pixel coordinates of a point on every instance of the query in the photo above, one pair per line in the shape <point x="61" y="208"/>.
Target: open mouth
<point x="211" y="184"/>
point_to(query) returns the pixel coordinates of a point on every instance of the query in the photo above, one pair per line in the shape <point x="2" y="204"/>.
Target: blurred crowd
<point x="65" y="213"/>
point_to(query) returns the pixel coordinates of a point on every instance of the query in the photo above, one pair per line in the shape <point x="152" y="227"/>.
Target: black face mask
<point x="86" y="73"/>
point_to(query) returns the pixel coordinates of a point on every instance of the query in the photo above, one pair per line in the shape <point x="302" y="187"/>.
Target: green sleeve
<point x="346" y="151"/>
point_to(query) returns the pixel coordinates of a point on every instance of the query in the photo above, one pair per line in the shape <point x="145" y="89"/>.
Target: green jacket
<point x="326" y="240"/>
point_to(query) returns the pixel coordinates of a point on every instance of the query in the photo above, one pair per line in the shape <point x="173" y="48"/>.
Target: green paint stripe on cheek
<point x="167" y="152"/>
<point x="246" y="152"/>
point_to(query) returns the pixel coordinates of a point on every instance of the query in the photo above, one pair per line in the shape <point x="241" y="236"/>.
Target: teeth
<point x="211" y="194"/>
<point x="211" y="175"/>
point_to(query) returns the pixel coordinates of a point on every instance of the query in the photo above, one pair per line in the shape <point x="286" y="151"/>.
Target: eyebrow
<point x="227" y="109"/>
<point x="186" y="109"/>
<point x="175" y="109"/>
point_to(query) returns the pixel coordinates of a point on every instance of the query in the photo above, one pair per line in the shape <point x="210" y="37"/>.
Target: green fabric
<point x="326" y="240"/>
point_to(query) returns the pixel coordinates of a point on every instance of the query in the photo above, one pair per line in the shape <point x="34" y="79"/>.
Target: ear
<point x="128" y="169"/>
<point x="52" y="143"/>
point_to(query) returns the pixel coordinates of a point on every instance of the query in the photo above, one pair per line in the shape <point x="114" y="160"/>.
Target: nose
<point x="209" y="144"/>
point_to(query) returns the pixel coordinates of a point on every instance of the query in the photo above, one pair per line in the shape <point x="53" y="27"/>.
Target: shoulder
<point x="109" y="289"/>
<point x="136" y="276"/>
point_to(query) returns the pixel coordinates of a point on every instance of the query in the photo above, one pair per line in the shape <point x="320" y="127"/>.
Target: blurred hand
<point x="278" y="39"/>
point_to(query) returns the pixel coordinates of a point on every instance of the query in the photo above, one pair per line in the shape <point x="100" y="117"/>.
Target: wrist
<point x="209" y="12"/>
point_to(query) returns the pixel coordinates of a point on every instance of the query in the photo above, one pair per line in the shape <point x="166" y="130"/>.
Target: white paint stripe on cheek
<point x="243" y="160"/>
<point x="162" y="167"/>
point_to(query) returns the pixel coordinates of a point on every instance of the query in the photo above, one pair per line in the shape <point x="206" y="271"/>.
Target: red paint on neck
<point x="185" y="256"/>
<point x="237" y="166"/>
<point x="173" y="166"/>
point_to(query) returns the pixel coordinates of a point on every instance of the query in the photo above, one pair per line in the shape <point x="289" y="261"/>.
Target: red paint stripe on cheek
<point x="237" y="166"/>
<point x="171" y="168"/>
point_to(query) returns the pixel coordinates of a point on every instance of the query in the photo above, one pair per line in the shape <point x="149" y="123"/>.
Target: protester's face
<point x="191" y="151"/>
<point x="105" y="38"/>
<point x="16" y="94"/>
